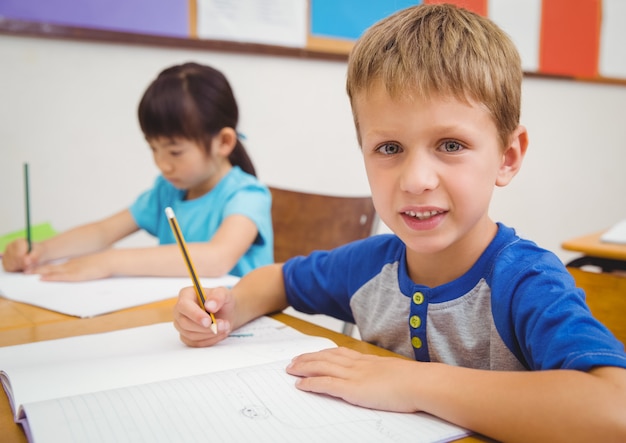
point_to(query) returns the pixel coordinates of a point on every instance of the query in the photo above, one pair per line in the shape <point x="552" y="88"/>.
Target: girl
<point x="189" y="118"/>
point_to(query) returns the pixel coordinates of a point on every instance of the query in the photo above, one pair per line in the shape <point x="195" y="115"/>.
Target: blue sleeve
<point x="324" y="281"/>
<point x="552" y="326"/>
<point x="253" y="201"/>
<point x="146" y="208"/>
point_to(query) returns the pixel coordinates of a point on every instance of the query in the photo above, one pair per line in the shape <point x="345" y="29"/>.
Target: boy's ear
<point x="513" y="156"/>
<point x="225" y="141"/>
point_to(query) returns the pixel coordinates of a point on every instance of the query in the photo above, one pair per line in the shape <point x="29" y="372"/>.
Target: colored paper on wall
<point x="349" y="18"/>
<point x="570" y="37"/>
<point x="163" y="17"/>
<point x="477" y="6"/>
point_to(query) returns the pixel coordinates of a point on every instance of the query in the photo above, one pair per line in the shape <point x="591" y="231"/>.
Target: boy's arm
<point x="551" y="406"/>
<point x="258" y="293"/>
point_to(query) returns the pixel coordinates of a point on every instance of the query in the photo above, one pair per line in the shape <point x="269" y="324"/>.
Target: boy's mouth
<point x="425" y="215"/>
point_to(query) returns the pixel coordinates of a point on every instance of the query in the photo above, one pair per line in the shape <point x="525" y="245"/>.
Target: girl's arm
<point x="537" y="406"/>
<point x="81" y="240"/>
<point x="211" y="259"/>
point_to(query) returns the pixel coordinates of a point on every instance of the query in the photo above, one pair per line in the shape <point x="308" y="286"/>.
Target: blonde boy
<point x="500" y="339"/>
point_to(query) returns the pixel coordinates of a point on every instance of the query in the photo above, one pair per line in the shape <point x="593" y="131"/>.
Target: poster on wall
<point x="272" y="22"/>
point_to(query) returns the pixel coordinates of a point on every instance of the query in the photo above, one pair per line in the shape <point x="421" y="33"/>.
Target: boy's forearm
<point x="551" y="406"/>
<point x="260" y="292"/>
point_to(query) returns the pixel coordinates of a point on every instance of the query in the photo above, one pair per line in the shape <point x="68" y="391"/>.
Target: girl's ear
<point x="513" y="156"/>
<point x="224" y="142"/>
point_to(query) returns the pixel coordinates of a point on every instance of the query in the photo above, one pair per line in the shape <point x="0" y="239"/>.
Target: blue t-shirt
<point x="517" y="308"/>
<point x="236" y="193"/>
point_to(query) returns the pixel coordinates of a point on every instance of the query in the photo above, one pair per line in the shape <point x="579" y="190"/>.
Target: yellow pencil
<point x="192" y="271"/>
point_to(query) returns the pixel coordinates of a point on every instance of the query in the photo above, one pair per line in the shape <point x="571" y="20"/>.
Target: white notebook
<point x="143" y="384"/>
<point x="615" y="234"/>
<point x="97" y="297"/>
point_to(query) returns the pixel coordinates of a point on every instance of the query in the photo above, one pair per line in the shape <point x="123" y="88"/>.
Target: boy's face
<point x="432" y="166"/>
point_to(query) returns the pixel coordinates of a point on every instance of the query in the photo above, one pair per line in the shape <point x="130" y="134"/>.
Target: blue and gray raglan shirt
<point x="517" y="308"/>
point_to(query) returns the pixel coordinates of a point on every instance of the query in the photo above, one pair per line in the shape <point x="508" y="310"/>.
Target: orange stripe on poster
<point x="570" y="37"/>
<point x="477" y="6"/>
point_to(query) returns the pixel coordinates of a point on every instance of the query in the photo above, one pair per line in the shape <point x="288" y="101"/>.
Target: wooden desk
<point x="606" y="298"/>
<point x="608" y="256"/>
<point x="20" y="323"/>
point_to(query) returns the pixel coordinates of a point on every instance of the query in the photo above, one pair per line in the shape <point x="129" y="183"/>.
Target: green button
<point x="415" y="321"/>
<point x="416" y="342"/>
<point x="418" y="298"/>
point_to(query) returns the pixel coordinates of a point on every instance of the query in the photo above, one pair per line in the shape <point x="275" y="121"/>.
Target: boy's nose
<point x="419" y="174"/>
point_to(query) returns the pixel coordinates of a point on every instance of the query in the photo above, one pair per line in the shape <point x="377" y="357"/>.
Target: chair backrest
<point x="306" y="222"/>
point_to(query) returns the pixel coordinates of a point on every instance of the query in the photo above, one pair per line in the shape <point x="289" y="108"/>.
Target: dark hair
<point x="195" y="102"/>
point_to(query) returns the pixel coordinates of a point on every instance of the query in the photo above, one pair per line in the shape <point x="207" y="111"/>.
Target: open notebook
<point x="92" y="298"/>
<point x="143" y="384"/>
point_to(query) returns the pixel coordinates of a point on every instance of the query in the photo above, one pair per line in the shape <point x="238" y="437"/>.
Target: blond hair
<point x="440" y="50"/>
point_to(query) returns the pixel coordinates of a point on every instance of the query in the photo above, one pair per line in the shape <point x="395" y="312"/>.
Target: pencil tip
<point x="214" y="328"/>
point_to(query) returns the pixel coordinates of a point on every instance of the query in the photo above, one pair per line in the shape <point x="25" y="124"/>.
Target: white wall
<point x="69" y="109"/>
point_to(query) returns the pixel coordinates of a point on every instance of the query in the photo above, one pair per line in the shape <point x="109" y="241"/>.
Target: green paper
<point x="38" y="233"/>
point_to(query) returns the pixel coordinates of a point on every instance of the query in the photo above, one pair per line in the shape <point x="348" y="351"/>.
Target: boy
<point x="492" y="321"/>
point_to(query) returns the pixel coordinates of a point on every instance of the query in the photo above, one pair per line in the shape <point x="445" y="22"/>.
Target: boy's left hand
<point x="364" y="380"/>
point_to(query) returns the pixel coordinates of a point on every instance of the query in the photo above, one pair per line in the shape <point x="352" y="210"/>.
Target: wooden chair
<point x="606" y="298"/>
<point x="305" y="222"/>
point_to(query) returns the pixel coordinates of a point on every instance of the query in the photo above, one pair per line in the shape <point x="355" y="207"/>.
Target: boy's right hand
<point x="194" y="323"/>
<point x="16" y="257"/>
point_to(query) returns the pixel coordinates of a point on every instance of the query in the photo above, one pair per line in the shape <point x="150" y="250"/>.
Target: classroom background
<point x="68" y="108"/>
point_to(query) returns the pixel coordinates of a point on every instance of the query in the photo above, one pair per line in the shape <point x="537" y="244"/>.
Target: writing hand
<point x="16" y="257"/>
<point x="193" y="322"/>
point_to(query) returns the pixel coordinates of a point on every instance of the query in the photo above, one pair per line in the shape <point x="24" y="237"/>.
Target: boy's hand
<point x="364" y="380"/>
<point x="16" y="257"/>
<point x="194" y="323"/>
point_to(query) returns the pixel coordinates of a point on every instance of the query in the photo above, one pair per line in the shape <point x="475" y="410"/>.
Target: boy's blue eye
<point x="451" y="146"/>
<point x="389" y="148"/>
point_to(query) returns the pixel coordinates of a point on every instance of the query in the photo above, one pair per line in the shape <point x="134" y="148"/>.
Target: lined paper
<point x="258" y="403"/>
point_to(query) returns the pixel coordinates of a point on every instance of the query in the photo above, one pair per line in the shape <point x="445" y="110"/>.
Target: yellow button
<point x="415" y="321"/>
<point x="418" y="298"/>
<point x="416" y="342"/>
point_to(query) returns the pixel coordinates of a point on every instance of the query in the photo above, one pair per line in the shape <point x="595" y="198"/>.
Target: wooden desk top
<point x="20" y="323"/>
<point x="592" y="245"/>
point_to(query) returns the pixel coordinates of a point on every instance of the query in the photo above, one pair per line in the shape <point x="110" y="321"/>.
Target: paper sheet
<point x="256" y="404"/>
<point x="92" y="298"/>
<point x="76" y="365"/>
<point x="616" y="234"/>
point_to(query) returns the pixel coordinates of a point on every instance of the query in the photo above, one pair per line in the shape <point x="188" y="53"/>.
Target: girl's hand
<point x="16" y="257"/>
<point x="370" y="381"/>
<point x="194" y="323"/>
<point x="88" y="267"/>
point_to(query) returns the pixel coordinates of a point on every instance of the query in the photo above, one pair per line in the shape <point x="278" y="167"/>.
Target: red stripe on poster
<point x="477" y="6"/>
<point x="570" y="37"/>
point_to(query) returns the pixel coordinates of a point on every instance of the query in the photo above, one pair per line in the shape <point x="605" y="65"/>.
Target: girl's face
<point x="187" y="165"/>
<point x="432" y="166"/>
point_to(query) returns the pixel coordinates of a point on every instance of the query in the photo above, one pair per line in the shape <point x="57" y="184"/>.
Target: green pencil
<point x="27" y="205"/>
